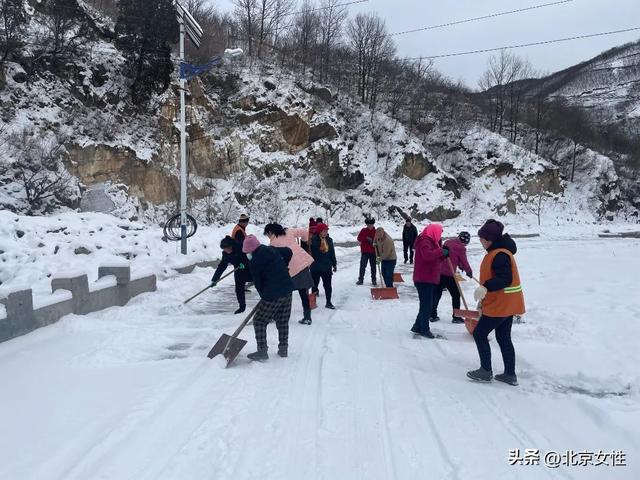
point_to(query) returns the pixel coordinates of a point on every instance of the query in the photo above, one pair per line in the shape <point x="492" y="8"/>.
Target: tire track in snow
<point x="177" y="407"/>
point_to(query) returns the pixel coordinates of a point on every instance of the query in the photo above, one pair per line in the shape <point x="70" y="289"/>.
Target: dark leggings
<point x="240" y="293"/>
<point x="502" y="326"/>
<point x="450" y="284"/>
<point x="369" y="258"/>
<point x="326" y="282"/>
<point x="304" y="296"/>
<point x="425" y="294"/>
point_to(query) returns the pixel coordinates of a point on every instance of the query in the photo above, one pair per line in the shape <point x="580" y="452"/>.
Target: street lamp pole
<point x="183" y="148"/>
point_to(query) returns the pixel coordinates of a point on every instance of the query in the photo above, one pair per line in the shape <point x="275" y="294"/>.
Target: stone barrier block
<point x="79" y="288"/>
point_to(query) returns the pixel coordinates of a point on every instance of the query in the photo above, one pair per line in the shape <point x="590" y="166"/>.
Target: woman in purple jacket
<point x="426" y="275"/>
<point x="458" y="256"/>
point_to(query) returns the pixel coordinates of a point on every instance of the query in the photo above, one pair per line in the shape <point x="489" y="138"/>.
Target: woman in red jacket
<point x="367" y="251"/>
<point x="426" y="274"/>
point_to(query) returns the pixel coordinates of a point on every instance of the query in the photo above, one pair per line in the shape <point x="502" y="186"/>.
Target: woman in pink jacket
<point x="426" y="274"/>
<point x="299" y="264"/>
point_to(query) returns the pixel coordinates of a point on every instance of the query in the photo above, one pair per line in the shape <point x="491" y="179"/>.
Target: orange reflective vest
<point x="508" y="301"/>
<point x="236" y="229"/>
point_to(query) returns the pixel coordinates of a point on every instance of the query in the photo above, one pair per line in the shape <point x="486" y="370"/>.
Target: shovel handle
<point x="246" y="320"/>
<point x="210" y="286"/>
<point x="453" y="272"/>
<point x="378" y="262"/>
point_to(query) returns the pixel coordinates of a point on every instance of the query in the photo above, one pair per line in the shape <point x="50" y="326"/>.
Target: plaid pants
<point x="276" y="310"/>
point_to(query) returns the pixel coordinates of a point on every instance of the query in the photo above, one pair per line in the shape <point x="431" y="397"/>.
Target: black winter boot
<point x="457" y="320"/>
<point x="480" y="375"/>
<point x="259" y="355"/>
<point x="330" y="306"/>
<point x="509" y="379"/>
<point x="241" y="309"/>
<point x="283" y="352"/>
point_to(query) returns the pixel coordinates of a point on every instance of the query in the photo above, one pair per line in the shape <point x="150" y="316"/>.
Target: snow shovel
<point x="240" y="267"/>
<point x="384" y="293"/>
<point x="397" y="277"/>
<point x="313" y="304"/>
<point x="230" y="346"/>
<point x="470" y="316"/>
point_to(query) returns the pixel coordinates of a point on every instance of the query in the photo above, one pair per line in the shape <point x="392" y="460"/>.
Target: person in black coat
<point x="270" y="272"/>
<point x="232" y="255"/>
<point x="409" y="235"/>
<point x="324" y="261"/>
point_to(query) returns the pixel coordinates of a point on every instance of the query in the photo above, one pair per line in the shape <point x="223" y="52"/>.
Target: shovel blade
<point x="228" y="346"/>
<point x="470" y="318"/>
<point x="470" y="323"/>
<point x="397" y="278"/>
<point x="473" y="314"/>
<point x="389" y="293"/>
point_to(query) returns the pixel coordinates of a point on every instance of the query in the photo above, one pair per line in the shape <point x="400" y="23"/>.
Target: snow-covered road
<point x="128" y="393"/>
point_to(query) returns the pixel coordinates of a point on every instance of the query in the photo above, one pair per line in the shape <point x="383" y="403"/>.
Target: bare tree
<point x="246" y="11"/>
<point x="331" y="21"/>
<point x="64" y="27"/>
<point x="13" y="18"/>
<point x="372" y="46"/>
<point x="36" y="165"/>
<point x="305" y="32"/>
<point x="215" y="27"/>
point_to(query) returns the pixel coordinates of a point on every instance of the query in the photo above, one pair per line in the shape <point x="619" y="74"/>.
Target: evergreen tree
<point x="145" y="31"/>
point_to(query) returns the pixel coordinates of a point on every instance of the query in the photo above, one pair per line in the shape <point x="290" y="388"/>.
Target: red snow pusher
<point x="384" y="293"/>
<point x="230" y="345"/>
<point x="313" y="304"/>
<point x="471" y="317"/>
<point x="397" y="277"/>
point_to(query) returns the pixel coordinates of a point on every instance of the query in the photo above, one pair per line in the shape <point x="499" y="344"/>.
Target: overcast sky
<point x="566" y="20"/>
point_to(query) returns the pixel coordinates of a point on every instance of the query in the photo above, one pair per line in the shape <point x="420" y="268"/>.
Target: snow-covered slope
<point x="267" y="142"/>
<point x="607" y="86"/>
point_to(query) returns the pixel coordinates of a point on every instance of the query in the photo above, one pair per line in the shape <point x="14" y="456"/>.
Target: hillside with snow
<point x="607" y="87"/>
<point x="278" y="146"/>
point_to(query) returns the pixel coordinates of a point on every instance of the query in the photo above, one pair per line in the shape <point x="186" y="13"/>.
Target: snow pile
<point x="33" y="250"/>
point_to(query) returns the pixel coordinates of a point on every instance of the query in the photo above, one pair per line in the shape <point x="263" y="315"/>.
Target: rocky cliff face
<point x="261" y="141"/>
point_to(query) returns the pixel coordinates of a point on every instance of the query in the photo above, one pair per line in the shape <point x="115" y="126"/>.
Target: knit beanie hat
<point x="491" y="230"/>
<point x="321" y="227"/>
<point x="250" y="244"/>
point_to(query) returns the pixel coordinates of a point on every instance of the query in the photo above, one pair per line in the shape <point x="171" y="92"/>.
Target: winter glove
<point x="378" y="260"/>
<point x="241" y="266"/>
<point x="335" y="269"/>
<point x="214" y="283"/>
<point x="480" y="293"/>
<point x="370" y="240"/>
<point x="445" y="252"/>
<point x="469" y="274"/>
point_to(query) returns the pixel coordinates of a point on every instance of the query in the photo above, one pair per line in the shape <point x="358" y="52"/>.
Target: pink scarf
<point x="433" y="231"/>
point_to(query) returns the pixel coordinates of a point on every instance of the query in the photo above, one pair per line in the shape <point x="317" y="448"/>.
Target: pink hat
<point x="250" y="244"/>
